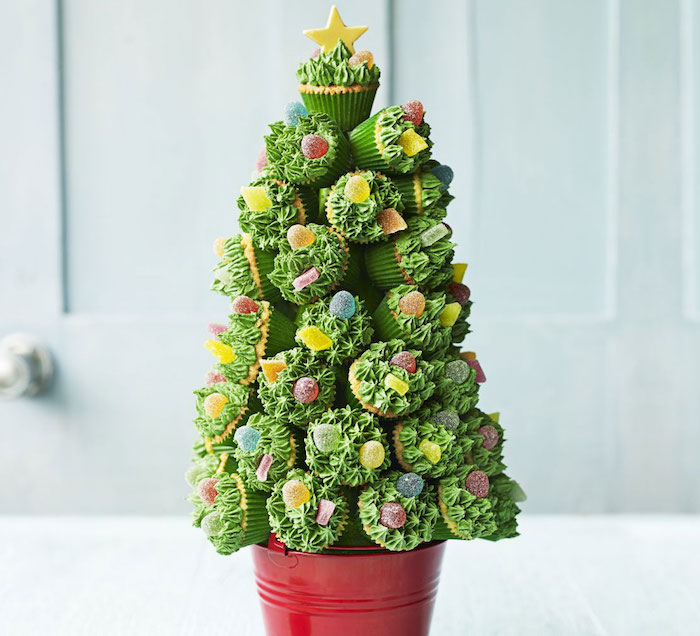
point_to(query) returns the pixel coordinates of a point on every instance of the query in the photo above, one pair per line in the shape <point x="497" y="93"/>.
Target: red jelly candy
<point x="244" y="305"/>
<point x="477" y="483"/>
<point x="305" y="390"/>
<point x="490" y="435"/>
<point x="314" y="146"/>
<point x="480" y="376"/>
<point x="261" y="161"/>
<point x="206" y="489"/>
<point x="392" y="515"/>
<point x="459" y="292"/>
<point x="405" y="360"/>
<point x="413" y="112"/>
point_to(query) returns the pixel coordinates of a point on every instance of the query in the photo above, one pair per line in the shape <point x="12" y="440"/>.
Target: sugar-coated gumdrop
<point x="458" y="270"/>
<point x="314" y="338"/>
<point x="292" y="112"/>
<point x="272" y="368"/>
<point x="295" y="493"/>
<point x="256" y="198"/>
<point x="392" y="515"/>
<point x="304" y="280"/>
<point x="264" y="467"/>
<point x="447" y="418"/>
<point x="357" y="189"/>
<point x="215" y="328"/>
<point x="261" y="161"/>
<point x="406" y="360"/>
<point x="326" y="437"/>
<point x="410" y="484"/>
<point x="211" y="524"/>
<point x="299" y="236"/>
<point x="315" y="53"/>
<point x="467" y="355"/>
<point x="459" y="292"/>
<point x="445" y="174"/>
<point x="218" y="246"/>
<point x="411" y="142"/>
<point x="247" y="437"/>
<point x="325" y="511"/>
<point x="396" y="384"/>
<point x="362" y="56"/>
<point x="412" y="303"/>
<point x="490" y="435"/>
<point x="305" y="390"/>
<point x="372" y="454"/>
<point x="244" y="305"/>
<point x="457" y="371"/>
<point x="213" y="377"/>
<point x="206" y="489"/>
<point x="222" y="352"/>
<point x="314" y="146"/>
<point x="431" y="450"/>
<point x="343" y="305"/>
<point x="433" y="234"/>
<point x="477" y="483"/>
<point x="413" y="112"/>
<point x="449" y="314"/>
<point x="480" y="376"/>
<point x="214" y="404"/>
<point x="391" y="221"/>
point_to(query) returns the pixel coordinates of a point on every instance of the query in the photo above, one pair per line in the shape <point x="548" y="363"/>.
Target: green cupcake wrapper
<point x="257" y="523"/>
<point x="441" y="531"/>
<point x="280" y="333"/>
<point x="341" y="165"/>
<point x="351" y="398"/>
<point x="309" y="200"/>
<point x="381" y="265"/>
<point x="364" y="147"/>
<point x="386" y="325"/>
<point x="265" y="262"/>
<point x="353" y="273"/>
<point x="348" y="109"/>
<point x="369" y="294"/>
<point x="406" y="188"/>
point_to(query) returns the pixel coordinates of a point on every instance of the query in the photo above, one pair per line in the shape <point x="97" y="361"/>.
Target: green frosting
<point x="232" y="274"/>
<point x="276" y="440"/>
<point x="283" y="149"/>
<point x="434" y="198"/>
<point x="358" y="221"/>
<point x="342" y="465"/>
<point x="201" y="468"/>
<point x="462" y="327"/>
<point x="429" y="267"/>
<point x="392" y="125"/>
<point x="350" y="337"/>
<point x="225" y="446"/>
<point x="278" y="399"/>
<point x="228" y="505"/>
<point x="474" y="518"/>
<point x="237" y="396"/>
<point x="297" y="527"/>
<point x="490" y="461"/>
<point x="460" y="397"/>
<point x="243" y="329"/>
<point x="328" y="254"/>
<point x="503" y="493"/>
<point x="421" y="514"/>
<point x="332" y="68"/>
<point x="371" y="369"/>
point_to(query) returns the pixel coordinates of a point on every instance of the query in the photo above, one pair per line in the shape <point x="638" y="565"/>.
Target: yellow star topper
<point x="335" y="29"/>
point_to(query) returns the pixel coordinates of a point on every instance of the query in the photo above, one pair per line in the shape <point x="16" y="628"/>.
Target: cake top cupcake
<point x="455" y="383"/>
<point x="486" y="434"/>
<point x="340" y="67"/>
<point x="425" y="192"/>
<point x="233" y="275"/>
<point x="220" y="408"/>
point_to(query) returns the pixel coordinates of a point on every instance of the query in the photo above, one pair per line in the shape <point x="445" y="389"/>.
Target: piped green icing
<point x="228" y="505"/>
<point x="392" y="124"/>
<point x="232" y="275"/>
<point x="503" y="493"/>
<point x="202" y="468"/>
<point x="237" y="396"/>
<point x="332" y="68"/>
<point x="490" y="461"/>
<point x="460" y="397"/>
<point x="472" y="517"/>
<point x="461" y="327"/>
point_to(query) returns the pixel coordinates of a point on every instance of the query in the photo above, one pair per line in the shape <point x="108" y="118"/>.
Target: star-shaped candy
<point x="334" y="30"/>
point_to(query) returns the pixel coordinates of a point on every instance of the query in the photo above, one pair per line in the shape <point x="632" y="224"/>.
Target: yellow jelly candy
<point x="219" y="246"/>
<point x="272" y="368"/>
<point x="372" y="454"/>
<point x="391" y="221"/>
<point x="300" y="236"/>
<point x="431" y="451"/>
<point x="256" y="198"/>
<point x="411" y="142"/>
<point x="214" y="404"/>
<point x="314" y="338"/>
<point x="223" y="353"/>
<point x="357" y="189"/>
<point x="295" y="493"/>
<point x="495" y="416"/>
<point x="362" y="56"/>
<point x="412" y="303"/>
<point x="397" y="384"/>
<point x="468" y="355"/>
<point x="449" y="314"/>
<point x="458" y="270"/>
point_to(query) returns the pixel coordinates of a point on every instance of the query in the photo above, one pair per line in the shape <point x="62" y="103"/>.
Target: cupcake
<point x="234" y="516"/>
<point x="346" y="446"/>
<point x="313" y="262"/>
<point x="423" y="321"/>
<point x="269" y="207"/>
<point x="455" y="383"/>
<point x="220" y="408"/>
<point x="390" y="379"/>
<point x="504" y="493"/>
<point x="486" y="436"/>
<point x="305" y="513"/>
<point x="421" y="255"/>
<point x="294" y="388"/>
<point x="425" y="192"/>
<point x="222" y="450"/>
<point x="201" y="468"/>
<point x="460" y="293"/>
<point x="399" y="511"/>
<point x="314" y="152"/>
<point x="243" y="269"/>
<point x="365" y="207"/>
<point x="396" y="140"/>
<point x="340" y="83"/>
<point x="335" y="329"/>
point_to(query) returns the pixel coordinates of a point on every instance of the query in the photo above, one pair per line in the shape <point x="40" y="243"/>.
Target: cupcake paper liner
<point x="406" y="186"/>
<point x="280" y="333"/>
<point x="257" y="523"/>
<point x="386" y="323"/>
<point x="309" y="201"/>
<point x="347" y="105"/>
<point x="364" y="146"/>
<point x="382" y="267"/>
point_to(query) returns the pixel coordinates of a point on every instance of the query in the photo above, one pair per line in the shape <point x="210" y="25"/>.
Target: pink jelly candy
<point x="316" y="53"/>
<point x="244" y="305"/>
<point x="305" y="390"/>
<point x="304" y="280"/>
<point x="392" y="515"/>
<point x="314" y="146"/>
<point x="215" y="328"/>
<point x="477" y="483"/>
<point x="490" y="435"/>
<point x="261" y="161"/>
<point x="213" y="377"/>
<point x="480" y="377"/>
<point x="325" y="512"/>
<point x="405" y="360"/>
<point x="459" y="292"/>
<point x="413" y="112"/>
<point x="264" y="467"/>
<point x="206" y="489"/>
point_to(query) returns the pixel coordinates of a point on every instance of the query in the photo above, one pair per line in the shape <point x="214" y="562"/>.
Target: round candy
<point x="413" y="112"/>
<point x="211" y="524"/>
<point x="412" y="303"/>
<point x="392" y="515"/>
<point x="357" y="189"/>
<point x="244" y="305"/>
<point x="343" y="305"/>
<point x="326" y="437"/>
<point x="372" y="454"/>
<point x="215" y="328"/>
<point x="314" y="146"/>
<point x="247" y="437"/>
<point x="305" y="390"/>
<point x="431" y="450"/>
<point x="445" y="174"/>
<point x="214" y="404"/>
<point x="299" y="236"/>
<point x="292" y="112"/>
<point x="295" y="493"/>
<point x="477" y="483"/>
<point x="261" y="161"/>
<point x="405" y="360"/>
<point x="459" y="292"/>
<point x="410" y="484"/>
<point x="447" y="418"/>
<point x="362" y="56"/>
<point x="490" y="435"/>
<point x="457" y="371"/>
<point x="206" y="489"/>
<point x="213" y="377"/>
<point x="191" y="474"/>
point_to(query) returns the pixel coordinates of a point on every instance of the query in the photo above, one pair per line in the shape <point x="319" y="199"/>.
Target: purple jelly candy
<point x="293" y="111"/>
<point x="264" y="467"/>
<point x="459" y="292"/>
<point x="325" y="511"/>
<point x="304" y="280"/>
<point x="343" y="305"/>
<point x="490" y="435"/>
<point x="305" y="390"/>
<point x="410" y="484"/>
<point x="480" y="377"/>
<point x="392" y="515"/>
<point x="247" y="437"/>
<point x="477" y="483"/>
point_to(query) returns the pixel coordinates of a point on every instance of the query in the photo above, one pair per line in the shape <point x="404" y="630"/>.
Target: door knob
<point x="26" y="366"/>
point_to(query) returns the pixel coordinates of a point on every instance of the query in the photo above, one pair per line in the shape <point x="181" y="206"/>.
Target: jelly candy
<point x="490" y="435"/>
<point x="396" y="384"/>
<point x="256" y="198"/>
<point x="305" y="390"/>
<point x="264" y="467"/>
<point x="343" y="305"/>
<point x="223" y="353"/>
<point x="214" y="403"/>
<point x="413" y="112"/>
<point x="272" y="368"/>
<point x="449" y="315"/>
<point x="459" y="292"/>
<point x="314" y="338"/>
<point x="447" y="418"/>
<point x="443" y="173"/>
<point x="206" y="489"/>
<point x="215" y="328"/>
<point x="315" y="53"/>
<point x="299" y="236"/>
<point x="293" y="111"/>
<point x="471" y="360"/>
<point x="412" y="303"/>
<point x="211" y="524"/>
<point x="458" y="270"/>
<point x="295" y="493"/>
<point x="411" y="142"/>
<point x="314" y="146"/>
<point x="304" y="280"/>
<point x="410" y="485"/>
<point x="392" y="515"/>
<point x="433" y="234"/>
<point x="362" y="56"/>
<point x="431" y="450"/>
<point x="357" y="189"/>
<point x="457" y="371"/>
<point x="261" y="161"/>
<point x="495" y="416"/>
<point x="247" y="437"/>
<point x="406" y="360"/>
<point x="372" y="454"/>
<point x="219" y="244"/>
<point x="213" y="377"/>
<point x="391" y="221"/>
<point x="326" y="437"/>
<point x="477" y="483"/>
<point x="244" y="305"/>
<point x="325" y="511"/>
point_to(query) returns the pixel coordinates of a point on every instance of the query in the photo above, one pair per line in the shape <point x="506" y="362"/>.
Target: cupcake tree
<point x="340" y="409"/>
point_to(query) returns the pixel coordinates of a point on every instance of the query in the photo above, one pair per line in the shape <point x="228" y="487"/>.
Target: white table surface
<point x="563" y="576"/>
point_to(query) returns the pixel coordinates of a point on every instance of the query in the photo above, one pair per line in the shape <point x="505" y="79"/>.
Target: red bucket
<point x="358" y="591"/>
